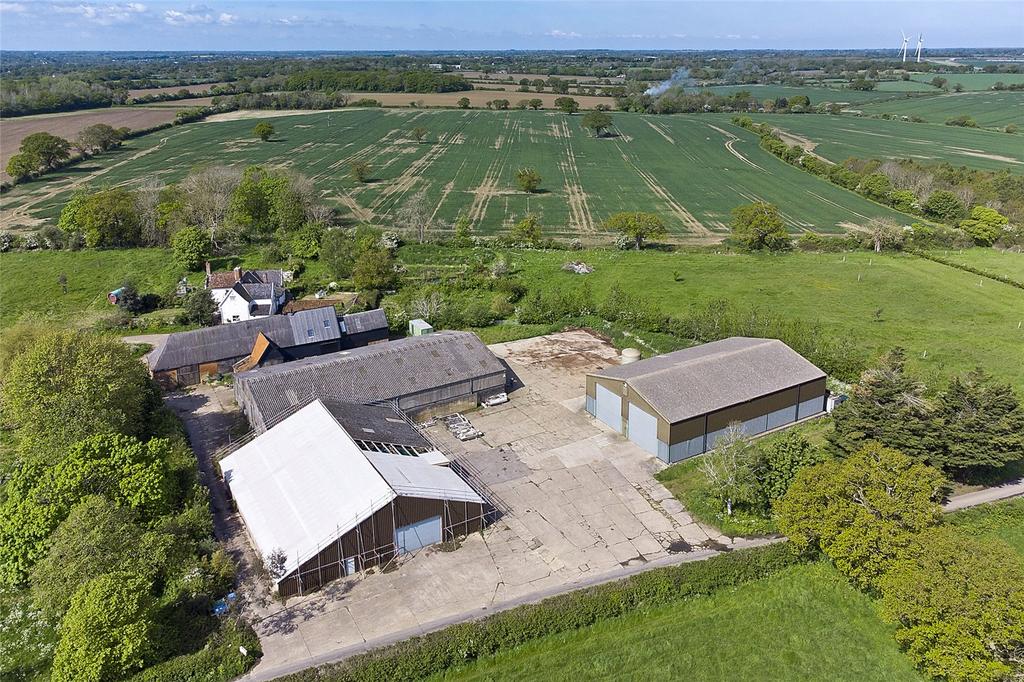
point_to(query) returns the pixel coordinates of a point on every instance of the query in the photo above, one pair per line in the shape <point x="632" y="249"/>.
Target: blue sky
<point x="494" y="24"/>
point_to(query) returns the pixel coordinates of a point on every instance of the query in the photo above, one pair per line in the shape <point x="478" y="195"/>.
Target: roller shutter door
<point x="643" y="429"/>
<point x="420" y="534"/>
<point x="609" y="408"/>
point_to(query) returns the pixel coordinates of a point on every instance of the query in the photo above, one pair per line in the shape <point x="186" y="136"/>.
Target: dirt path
<point x="732" y="140"/>
<point x="580" y="217"/>
<point x="660" y="130"/>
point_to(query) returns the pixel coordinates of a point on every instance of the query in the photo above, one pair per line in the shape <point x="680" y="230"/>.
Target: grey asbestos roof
<point x="380" y="372"/>
<point x="370" y="320"/>
<point x="225" y="341"/>
<point x="416" y="477"/>
<point x="378" y="423"/>
<point x="693" y="381"/>
<point x="257" y="291"/>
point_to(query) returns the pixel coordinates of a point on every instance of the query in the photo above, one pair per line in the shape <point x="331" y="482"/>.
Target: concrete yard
<point x="580" y="506"/>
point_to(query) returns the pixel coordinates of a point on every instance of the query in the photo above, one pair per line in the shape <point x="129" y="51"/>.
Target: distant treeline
<point x="376" y="81"/>
<point x="19" y="98"/>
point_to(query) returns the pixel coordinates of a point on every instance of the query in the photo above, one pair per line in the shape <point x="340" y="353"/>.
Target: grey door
<point x="643" y="429"/>
<point x="420" y="534"/>
<point x="609" y="408"/>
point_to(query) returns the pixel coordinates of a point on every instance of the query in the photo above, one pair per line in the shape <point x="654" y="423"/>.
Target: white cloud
<point x="13" y="7"/>
<point x="104" y="14"/>
<point x="226" y="19"/>
<point x="555" y="33"/>
<point x="192" y="17"/>
<point x="734" y="36"/>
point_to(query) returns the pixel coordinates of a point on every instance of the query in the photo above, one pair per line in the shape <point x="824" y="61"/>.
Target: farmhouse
<point x="446" y="371"/>
<point x="329" y="505"/>
<point x="677" y="405"/>
<point x="188" y="357"/>
<point x="243" y="295"/>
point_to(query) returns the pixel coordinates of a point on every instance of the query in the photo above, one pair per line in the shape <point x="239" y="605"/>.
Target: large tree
<point x="981" y="424"/>
<point x="567" y="105"/>
<point x="958" y="602"/>
<point x="108" y="632"/>
<point x="191" y="247"/>
<point x="759" y="226"/>
<point x="861" y="511"/>
<point x="637" y="226"/>
<point x="596" y="122"/>
<point x="97" y="137"/>
<point x="374" y="270"/>
<point x="45" y="150"/>
<point x="263" y="130"/>
<point x="887" y="405"/>
<point x="71" y="385"/>
<point x="109" y="218"/>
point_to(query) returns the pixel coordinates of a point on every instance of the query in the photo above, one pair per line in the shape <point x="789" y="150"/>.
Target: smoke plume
<point x="680" y="77"/>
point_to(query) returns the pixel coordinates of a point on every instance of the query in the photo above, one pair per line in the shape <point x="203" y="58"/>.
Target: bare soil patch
<point x="69" y="124"/>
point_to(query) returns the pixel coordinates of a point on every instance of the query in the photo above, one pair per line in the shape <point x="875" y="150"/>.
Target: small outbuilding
<point x="438" y="373"/>
<point x="326" y="505"/>
<point x="677" y="405"/>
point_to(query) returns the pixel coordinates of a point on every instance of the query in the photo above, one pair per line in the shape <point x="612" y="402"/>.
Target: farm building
<point x="677" y="405"/>
<point x="243" y="295"/>
<point x="329" y="505"/>
<point x="445" y="371"/>
<point x="188" y="357"/>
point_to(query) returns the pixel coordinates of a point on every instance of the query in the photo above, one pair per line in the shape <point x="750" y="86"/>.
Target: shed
<point x="446" y="371"/>
<point x="307" y="490"/>
<point x="677" y="405"/>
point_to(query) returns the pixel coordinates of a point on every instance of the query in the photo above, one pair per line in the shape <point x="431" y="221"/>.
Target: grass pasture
<point x="988" y="109"/>
<point x="693" y="170"/>
<point x="1000" y="520"/>
<point x="841" y="137"/>
<point x="805" y="623"/>
<point x="937" y="313"/>
<point x="972" y="81"/>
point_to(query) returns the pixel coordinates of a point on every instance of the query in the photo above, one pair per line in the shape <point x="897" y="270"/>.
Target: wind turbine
<point x="903" y="49"/>
<point x="920" y="44"/>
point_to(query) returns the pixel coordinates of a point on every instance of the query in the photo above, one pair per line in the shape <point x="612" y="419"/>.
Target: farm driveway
<point x="581" y="504"/>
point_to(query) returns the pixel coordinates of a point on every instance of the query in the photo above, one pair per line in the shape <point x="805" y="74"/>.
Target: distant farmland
<point x="840" y="137"/>
<point x="972" y="81"/>
<point x="988" y="109"/>
<point x="693" y="170"/>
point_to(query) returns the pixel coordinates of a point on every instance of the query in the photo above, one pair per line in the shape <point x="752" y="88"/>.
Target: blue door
<point x="420" y="534"/>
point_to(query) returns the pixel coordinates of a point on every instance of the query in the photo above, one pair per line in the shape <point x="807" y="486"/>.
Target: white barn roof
<point x="305" y="482"/>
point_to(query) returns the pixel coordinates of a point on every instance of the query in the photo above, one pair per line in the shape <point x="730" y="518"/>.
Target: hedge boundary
<point x="967" y="268"/>
<point x="459" y="644"/>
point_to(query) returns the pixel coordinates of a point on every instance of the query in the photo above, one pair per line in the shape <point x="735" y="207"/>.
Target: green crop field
<point x="693" y="170"/>
<point x="988" y="109"/>
<point x="948" y="320"/>
<point x="841" y="137"/>
<point x="972" y="81"/>
<point x="904" y="86"/>
<point x="817" y="94"/>
<point x="805" y="623"/>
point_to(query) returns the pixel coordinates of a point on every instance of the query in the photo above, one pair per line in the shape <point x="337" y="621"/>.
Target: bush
<point x="945" y="206"/>
<point x="219" y="661"/>
<point x="436" y="652"/>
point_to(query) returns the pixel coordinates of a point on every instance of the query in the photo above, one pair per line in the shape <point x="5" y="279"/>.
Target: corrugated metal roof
<point x="383" y="371"/>
<point x="693" y="381"/>
<point x="234" y="340"/>
<point x="377" y="423"/>
<point x="354" y="323"/>
<point x="416" y="477"/>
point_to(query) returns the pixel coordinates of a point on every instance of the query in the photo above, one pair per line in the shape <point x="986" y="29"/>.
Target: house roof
<point x="257" y="291"/>
<point x="225" y="279"/>
<point x="369" y="320"/>
<point x="378" y="423"/>
<point x="305" y="483"/>
<point x="370" y="374"/>
<point x="234" y="340"/>
<point x="693" y="381"/>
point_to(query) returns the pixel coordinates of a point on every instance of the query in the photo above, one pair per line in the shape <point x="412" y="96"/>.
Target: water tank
<point x="630" y="355"/>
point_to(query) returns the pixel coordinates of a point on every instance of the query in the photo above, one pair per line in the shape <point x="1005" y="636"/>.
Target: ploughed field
<point x="840" y="137"/>
<point x="692" y="170"/>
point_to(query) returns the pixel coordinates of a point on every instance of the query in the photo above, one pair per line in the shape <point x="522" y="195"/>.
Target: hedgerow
<point x="435" y="652"/>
